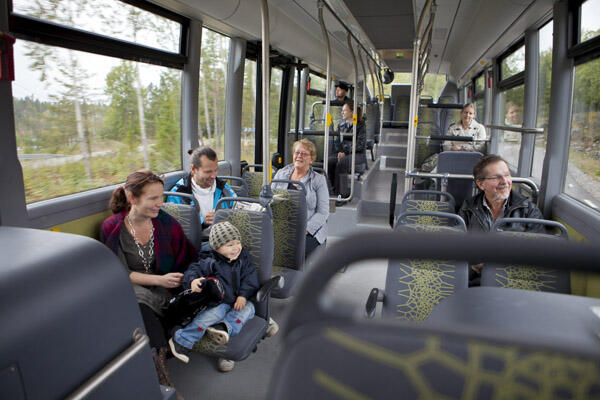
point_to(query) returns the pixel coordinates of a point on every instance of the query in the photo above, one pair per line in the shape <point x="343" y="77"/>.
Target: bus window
<point x="248" y="111"/>
<point x="589" y="26"/>
<point x="316" y="83"/>
<point x="85" y="121"/>
<point x="116" y="19"/>
<point x="213" y="72"/>
<point x="513" y="63"/>
<point x="275" y="96"/>
<point x="543" y="100"/>
<point x="511" y="101"/>
<point x="583" y="171"/>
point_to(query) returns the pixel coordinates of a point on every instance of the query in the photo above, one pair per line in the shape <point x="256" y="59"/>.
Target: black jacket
<point x="239" y="278"/>
<point x="344" y="144"/>
<point x="476" y="216"/>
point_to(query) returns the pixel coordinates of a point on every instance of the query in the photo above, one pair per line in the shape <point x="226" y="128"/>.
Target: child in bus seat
<point x="228" y="263"/>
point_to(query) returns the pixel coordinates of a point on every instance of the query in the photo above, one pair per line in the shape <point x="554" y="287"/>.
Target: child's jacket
<point x="239" y="278"/>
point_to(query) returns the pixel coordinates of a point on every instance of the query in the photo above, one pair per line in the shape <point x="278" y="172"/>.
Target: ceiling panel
<point x="362" y="8"/>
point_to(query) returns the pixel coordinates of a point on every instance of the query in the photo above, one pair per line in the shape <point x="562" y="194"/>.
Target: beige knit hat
<point x="222" y="233"/>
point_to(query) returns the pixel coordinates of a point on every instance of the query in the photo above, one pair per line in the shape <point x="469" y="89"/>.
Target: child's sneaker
<point x="224" y="365"/>
<point x="218" y="336"/>
<point x="272" y="329"/>
<point x="179" y="351"/>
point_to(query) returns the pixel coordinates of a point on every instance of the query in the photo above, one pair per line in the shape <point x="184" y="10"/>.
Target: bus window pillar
<point x="233" y="105"/>
<point x="303" y="83"/>
<point x="530" y="102"/>
<point x="495" y="95"/>
<point x="488" y="98"/>
<point x="559" y="122"/>
<point x="190" y="87"/>
<point x="13" y="211"/>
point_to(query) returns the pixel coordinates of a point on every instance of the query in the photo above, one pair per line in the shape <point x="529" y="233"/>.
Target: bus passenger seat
<point x="427" y="200"/>
<point x="256" y="229"/>
<point x="430" y="220"/>
<point x="253" y="180"/>
<point x="188" y="216"/>
<point x="458" y="162"/>
<point x="527" y="277"/>
<point x="414" y="287"/>
<point x="289" y="228"/>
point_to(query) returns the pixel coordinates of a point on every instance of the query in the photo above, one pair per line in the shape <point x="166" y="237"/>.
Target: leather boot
<point x="162" y="359"/>
<point x="157" y="365"/>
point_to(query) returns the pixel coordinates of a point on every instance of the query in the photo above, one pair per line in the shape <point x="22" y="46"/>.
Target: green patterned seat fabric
<point x="425" y="205"/>
<point x="254" y="180"/>
<point x="388" y="361"/>
<point x="256" y="229"/>
<point x="526" y="277"/>
<point x="188" y="218"/>
<point x="289" y="229"/>
<point x="414" y="287"/>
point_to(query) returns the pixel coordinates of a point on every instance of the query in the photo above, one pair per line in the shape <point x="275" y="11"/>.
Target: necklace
<point x="145" y="260"/>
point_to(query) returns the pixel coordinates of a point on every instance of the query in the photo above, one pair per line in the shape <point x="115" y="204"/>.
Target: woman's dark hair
<point x="199" y="152"/>
<point x="479" y="168"/>
<point x="359" y="115"/>
<point x="134" y="184"/>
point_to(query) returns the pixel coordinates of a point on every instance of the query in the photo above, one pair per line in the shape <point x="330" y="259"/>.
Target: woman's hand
<point x="196" y="285"/>
<point x="240" y="303"/>
<point x="340" y="155"/>
<point x="171" y="280"/>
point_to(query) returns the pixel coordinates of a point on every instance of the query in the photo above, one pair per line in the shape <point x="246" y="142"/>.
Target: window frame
<point x="515" y="80"/>
<point x="53" y="34"/>
<point x="580" y="52"/>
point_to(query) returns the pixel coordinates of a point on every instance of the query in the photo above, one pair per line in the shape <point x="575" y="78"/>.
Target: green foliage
<point x="122" y="117"/>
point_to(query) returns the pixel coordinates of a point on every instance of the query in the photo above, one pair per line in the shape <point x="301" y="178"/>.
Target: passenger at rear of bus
<point x="467" y="126"/>
<point x="230" y="265"/>
<point x="341" y="161"/>
<point x="341" y="92"/>
<point x="496" y="200"/>
<point x="154" y="250"/>
<point x="317" y="194"/>
<point x="203" y="184"/>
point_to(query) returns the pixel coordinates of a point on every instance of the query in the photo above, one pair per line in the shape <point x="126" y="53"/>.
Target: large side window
<point x="479" y="96"/>
<point x="86" y="120"/>
<point x="543" y="105"/>
<point x="248" y="111"/>
<point x="583" y="171"/>
<point x="213" y="73"/>
<point x="274" y="100"/>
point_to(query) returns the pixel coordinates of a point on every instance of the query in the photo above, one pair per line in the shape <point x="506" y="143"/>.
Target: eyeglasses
<point x="301" y="154"/>
<point x="496" y="178"/>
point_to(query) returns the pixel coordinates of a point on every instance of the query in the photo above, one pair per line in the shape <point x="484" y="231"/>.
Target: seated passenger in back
<point x="228" y="263"/>
<point x="203" y="184"/>
<point x="496" y="200"/>
<point x="467" y="126"/>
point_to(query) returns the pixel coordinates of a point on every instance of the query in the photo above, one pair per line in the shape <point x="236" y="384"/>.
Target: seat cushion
<point x="290" y="277"/>
<point x="240" y="346"/>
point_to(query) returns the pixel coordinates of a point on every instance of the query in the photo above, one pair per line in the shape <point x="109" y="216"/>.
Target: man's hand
<point x="196" y="285"/>
<point x="208" y="218"/>
<point x="240" y="303"/>
<point x="340" y="155"/>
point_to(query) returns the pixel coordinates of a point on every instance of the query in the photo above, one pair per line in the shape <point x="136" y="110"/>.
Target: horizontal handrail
<point x="534" y="131"/>
<point x="515" y="179"/>
<point x="455" y="106"/>
<point x="140" y="340"/>
<point x="453" y="138"/>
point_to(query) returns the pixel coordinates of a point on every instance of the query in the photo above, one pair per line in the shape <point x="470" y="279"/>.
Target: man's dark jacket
<point x="477" y="217"/>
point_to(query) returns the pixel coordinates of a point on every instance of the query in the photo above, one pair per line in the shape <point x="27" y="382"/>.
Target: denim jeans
<point x="224" y="313"/>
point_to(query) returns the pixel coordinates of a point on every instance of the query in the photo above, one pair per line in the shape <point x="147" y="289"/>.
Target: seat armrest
<point x="265" y="290"/>
<point x="375" y="296"/>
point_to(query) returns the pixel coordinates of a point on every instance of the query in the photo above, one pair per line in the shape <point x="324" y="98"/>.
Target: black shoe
<point x="180" y="352"/>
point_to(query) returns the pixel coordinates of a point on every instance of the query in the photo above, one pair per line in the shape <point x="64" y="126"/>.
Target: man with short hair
<point x="341" y="91"/>
<point x="203" y="184"/>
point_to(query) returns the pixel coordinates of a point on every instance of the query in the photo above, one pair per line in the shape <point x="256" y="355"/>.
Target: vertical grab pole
<point x="364" y="96"/>
<point x="354" y="119"/>
<point x="381" y="103"/>
<point x="327" y="88"/>
<point x="265" y="191"/>
<point x="412" y="118"/>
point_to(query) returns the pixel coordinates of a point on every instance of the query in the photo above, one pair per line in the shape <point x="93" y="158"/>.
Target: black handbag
<point x="186" y="305"/>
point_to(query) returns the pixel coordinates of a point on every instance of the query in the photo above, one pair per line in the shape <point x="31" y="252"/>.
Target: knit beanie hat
<point x="222" y="233"/>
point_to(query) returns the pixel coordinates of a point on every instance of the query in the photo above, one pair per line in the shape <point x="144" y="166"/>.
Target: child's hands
<point x="240" y="303"/>
<point x="196" y="283"/>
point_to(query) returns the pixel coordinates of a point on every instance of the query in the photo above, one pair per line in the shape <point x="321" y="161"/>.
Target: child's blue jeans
<point x="233" y="320"/>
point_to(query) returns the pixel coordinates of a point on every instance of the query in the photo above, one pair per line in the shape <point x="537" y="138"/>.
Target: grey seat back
<point x="188" y="216"/>
<point x="458" y="162"/>
<point x="427" y="200"/>
<point x="432" y="219"/>
<point x="238" y="185"/>
<point x="68" y="310"/>
<point x="253" y="180"/>
<point x="527" y="277"/>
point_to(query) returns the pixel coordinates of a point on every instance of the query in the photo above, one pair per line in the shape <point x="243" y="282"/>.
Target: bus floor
<point x="250" y="379"/>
